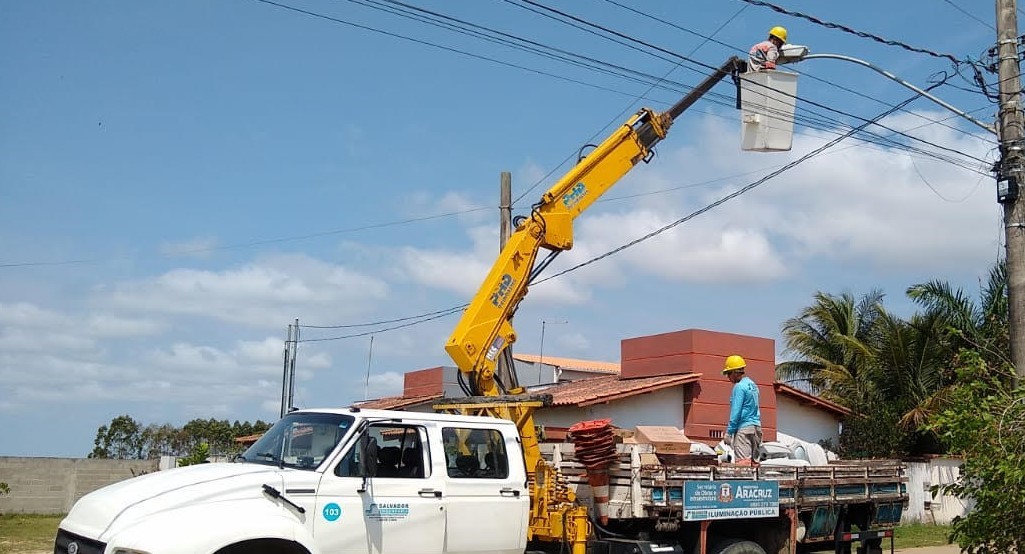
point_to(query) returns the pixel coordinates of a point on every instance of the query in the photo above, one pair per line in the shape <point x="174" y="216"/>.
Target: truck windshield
<point x="299" y="440"/>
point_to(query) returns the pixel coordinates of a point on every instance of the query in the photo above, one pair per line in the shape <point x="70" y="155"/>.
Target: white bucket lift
<point x="767" y="100"/>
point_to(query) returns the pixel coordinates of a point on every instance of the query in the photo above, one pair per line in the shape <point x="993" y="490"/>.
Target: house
<point x="667" y="379"/>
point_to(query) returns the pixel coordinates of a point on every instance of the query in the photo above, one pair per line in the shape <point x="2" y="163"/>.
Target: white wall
<point x="805" y="422"/>
<point x="922" y="506"/>
<point x="661" y="407"/>
<point x="526" y="372"/>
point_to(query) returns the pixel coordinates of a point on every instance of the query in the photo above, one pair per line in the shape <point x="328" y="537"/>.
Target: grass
<point x="918" y="534"/>
<point x="23" y="533"/>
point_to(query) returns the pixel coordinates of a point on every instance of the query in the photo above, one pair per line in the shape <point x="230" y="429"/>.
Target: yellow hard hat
<point x="778" y="32"/>
<point x="734" y="363"/>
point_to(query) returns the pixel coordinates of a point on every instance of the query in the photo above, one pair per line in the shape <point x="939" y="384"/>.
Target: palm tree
<point x="969" y="325"/>
<point x="911" y="365"/>
<point x="951" y="322"/>
<point x="833" y="342"/>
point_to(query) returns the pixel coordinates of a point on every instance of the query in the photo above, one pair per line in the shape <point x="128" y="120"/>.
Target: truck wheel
<point x="737" y="546"/>
<point x="264" y="546"/>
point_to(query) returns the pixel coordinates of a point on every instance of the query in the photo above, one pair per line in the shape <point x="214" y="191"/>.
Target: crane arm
<point x="485" y="329"/>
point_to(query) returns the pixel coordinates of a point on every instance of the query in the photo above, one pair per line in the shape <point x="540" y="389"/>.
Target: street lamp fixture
<point x="793" y="53"/>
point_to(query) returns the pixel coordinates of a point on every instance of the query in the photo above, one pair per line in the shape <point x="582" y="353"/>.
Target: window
<point x="399" y="453"/>
<point x="475" y="453"/>
<point x="301" y="440"/>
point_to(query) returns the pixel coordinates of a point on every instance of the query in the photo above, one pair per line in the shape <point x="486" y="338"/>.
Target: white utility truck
<point x="385" y="482"/>
<point x="325" y="481"/>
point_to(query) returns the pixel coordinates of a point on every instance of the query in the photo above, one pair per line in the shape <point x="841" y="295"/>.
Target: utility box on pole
<point x="767" y="101"/>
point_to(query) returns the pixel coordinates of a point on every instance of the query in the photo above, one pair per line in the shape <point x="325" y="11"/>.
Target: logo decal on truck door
<point x="332" y="511"/>
<point x="388" y="512"/>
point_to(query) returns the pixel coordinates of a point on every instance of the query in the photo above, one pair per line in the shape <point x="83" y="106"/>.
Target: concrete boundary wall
<point x="52" y="485"/>
<point x="922" y="506"/>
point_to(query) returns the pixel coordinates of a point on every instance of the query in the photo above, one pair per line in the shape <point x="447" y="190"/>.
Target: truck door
<point x="397" y="509"/>
<point x="485" y="491"/>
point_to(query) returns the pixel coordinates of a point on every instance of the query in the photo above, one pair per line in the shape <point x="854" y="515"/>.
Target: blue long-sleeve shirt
<point x="744" y="406"/>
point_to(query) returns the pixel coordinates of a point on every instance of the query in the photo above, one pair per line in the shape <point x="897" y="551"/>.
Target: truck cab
<point x="337" y="480"/>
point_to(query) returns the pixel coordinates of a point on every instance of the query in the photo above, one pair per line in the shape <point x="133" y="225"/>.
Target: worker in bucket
<point x="744" y="430"/>
<point x="764" y="54"/>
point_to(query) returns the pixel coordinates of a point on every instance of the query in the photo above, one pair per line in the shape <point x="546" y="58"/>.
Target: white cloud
<point x="463" y="272"/>
<point x="701" y="251"/>
<point x="264" y="293"/>
<point x="867" y="205"/>
<point x="26" y="315"/>
<point x="112" y="326"/>
<point x="858" y="205"/>
<point x="198" y="247"/>
<point x="383" y="384"/>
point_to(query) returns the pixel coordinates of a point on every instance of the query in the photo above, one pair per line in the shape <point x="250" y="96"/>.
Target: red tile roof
<point x="570" y="363"/>
<point x="597" y="390"/>
<point x="396" y="402"/>
<point x="810" y="399"/>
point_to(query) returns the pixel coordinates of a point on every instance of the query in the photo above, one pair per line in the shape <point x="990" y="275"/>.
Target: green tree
<point x="832" y="341"/>
<point x="967" y="324"/>
<point x="199" y="455"/>
<point x="984" y="422"/>
<point x="4" y="488"/>
<point x="121" y="440"/>
<point x="217" y="434"/>
<point x="951" y="324"/>
<point x="163" y="440"/>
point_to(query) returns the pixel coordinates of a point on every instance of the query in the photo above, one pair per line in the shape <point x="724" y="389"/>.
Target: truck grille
<point x="82" y="544"/>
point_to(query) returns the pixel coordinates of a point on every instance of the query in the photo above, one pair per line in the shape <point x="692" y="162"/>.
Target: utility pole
<point x="288" y="377"/>
<point x="1010" y="175"/>
<point x="506" y="368"/>
<point x="505" y="208"/>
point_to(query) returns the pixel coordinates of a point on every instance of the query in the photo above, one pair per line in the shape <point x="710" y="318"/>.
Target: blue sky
<point x="179" y="181"/>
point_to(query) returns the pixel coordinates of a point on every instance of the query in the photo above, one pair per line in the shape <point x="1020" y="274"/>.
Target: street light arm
<point x="988" y="128"/>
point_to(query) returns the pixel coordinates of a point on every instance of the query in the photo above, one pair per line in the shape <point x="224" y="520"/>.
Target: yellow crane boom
<point x="485" y="330"/>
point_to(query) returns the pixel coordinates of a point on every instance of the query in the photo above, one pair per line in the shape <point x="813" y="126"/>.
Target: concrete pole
<point x="506" y="367"/>
<point x="505" y="208"/>
<point x="1012" y="163"/>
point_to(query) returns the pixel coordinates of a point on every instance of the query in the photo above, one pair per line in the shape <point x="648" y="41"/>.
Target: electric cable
<point x="720" y="201"/>
<point x="385" y="321"/>
<point x="742" y="52"/>
<point x="440" y="314"/>
<point x="746" y="188"/>
<point x="969" y="14"/>
<point x="575" y="20"/>
<point x="852" y="31"/>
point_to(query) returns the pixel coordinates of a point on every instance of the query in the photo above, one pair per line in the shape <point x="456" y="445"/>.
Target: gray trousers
<point x="747" y="442"/>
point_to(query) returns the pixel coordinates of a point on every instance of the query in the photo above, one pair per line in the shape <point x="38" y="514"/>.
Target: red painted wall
<point x="423" y="382"/>
<point x="707" y="402"/>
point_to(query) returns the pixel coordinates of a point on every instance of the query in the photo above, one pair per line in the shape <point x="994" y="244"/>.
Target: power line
<point x="590" y="63"/>
<point x="854" y="32"/>
<point x="251" y="244"/>
<point x="969" y="14"/>
<point x="724" y="199"/>
<point x="746" y="188"/>
<point x="733" y="47"/>
<point x="386" y="321"/>
<point x="428" y="43"/>
<point x="440" y="314"/>
<point x="653" y="82"/>
<point x="576" y="21"/>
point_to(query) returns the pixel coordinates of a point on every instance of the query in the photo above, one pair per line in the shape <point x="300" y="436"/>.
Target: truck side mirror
<point x="368" y="450"/>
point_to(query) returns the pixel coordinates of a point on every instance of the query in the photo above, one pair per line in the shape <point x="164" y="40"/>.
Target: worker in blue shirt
<point x="744" y="430"/>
